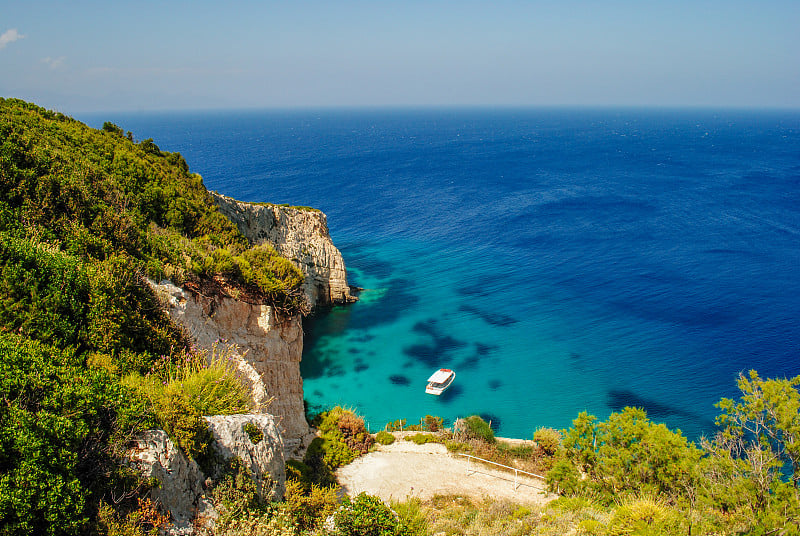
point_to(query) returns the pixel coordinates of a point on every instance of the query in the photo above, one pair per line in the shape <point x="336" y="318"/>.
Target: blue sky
<point x="84" y="56"/>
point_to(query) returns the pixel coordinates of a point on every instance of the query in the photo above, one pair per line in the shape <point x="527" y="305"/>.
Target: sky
<point x="87" y="56"/>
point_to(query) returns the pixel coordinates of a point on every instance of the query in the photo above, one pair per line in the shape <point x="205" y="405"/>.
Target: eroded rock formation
<point x="302" y="236"/>
<point x="185" y="491"/>
<point x="262" y="456"/>
<point x="181" y="483"/>
<point x="266" y="348"/>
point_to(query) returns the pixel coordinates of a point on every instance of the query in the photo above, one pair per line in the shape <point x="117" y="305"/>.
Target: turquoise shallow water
<point x="537" y="368"/>
<point x="558" y="260"/>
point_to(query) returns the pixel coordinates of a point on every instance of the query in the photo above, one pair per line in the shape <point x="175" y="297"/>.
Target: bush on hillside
<point x="548" y="439"/>
<point x="343" y="439"/>
<point x="422" y="439"/>
<point x="432" y="423"/>
<point x="59" y="422"/>
<point x="384" y="438"/>
<point x="147" y="519"/>
<point x="646" y="516"/>
<point x="309" y="505"/>
<point x="366" y="515"/>
<point x="474" y="427"/>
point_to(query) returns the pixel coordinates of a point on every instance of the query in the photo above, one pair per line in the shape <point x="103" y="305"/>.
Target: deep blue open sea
<point x="558" y="260"/>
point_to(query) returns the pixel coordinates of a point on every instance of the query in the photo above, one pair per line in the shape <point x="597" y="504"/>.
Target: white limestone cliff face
<point x="302" y="236"/>
<point x="185" y="491"/>
<point x="266" y="348"/>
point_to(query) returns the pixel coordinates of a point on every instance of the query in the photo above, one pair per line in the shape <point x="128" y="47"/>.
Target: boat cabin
<point x="440" y="381"/>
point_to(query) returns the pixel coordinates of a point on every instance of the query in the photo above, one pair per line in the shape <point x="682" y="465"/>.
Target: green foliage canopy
<point x="366" y="515"/>
<point x="95" y="194"/>
<point x="629" y="452"/>
<point x="56" y="422"/>
<point x="85" y="216"/>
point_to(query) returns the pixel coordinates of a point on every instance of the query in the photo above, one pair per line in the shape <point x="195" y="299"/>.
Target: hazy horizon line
<point x="445" y="108"/>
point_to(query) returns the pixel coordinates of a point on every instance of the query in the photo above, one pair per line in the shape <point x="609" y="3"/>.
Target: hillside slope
<point x="88" y="356"/>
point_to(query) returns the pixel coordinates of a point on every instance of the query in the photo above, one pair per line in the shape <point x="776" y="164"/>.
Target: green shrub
<point x="477" y="428"/>
<point x="366" y="515"/>
<point x="343" y="425"/>
<point x="343" y="439"/>
<point x="524" y="451"/>
<point x="58" y="422"/>
<point x="421" y="439"/>
<point x="146" y="520"/>
<point x="299" y="471"/>
<point x="412" y="517"/>
<point x="548" y="439"/>
<point x="457" y="446"/>
<point x="254" y="433"/>
<point x="384" y="438"/>
<point x="432" y="423"/>
<point x="645" y="516"/>
<point x="184" y="424"/>
<point x="309" y="506"/>
<point x="318" y="461"/>
<point x="563" y="477"/>
<point x="236" y="493"/>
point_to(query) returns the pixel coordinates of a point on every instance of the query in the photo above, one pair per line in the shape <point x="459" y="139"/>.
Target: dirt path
<point x="404" y="469"/>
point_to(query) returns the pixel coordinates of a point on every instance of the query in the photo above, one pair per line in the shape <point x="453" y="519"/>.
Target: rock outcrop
<point x="181" y="483"/>
<point x="266" y="348"/>
<point x="262" y="456"/>
<point x="299" y="234"/>
<point x="185" y="491"/>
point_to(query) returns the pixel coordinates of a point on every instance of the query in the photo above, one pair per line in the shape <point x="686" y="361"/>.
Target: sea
<point x="559" y="260"/>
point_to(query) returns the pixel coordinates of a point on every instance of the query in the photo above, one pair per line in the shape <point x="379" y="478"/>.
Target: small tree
<point x="628" y="452"/>
<point x="432" y="423"/>
<point x="548" y="440"/>
<point x="768" y="415"/>
<point x="108" y="126"/>
<point x="752" y="470"/>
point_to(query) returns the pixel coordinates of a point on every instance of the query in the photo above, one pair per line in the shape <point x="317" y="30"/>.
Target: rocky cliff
<point x="185" y="491"/>
<point x="302" y="236"/>
<point x="266" y="348"/>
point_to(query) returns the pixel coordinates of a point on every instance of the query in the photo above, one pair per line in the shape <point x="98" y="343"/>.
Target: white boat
<point x="440" y="381"/>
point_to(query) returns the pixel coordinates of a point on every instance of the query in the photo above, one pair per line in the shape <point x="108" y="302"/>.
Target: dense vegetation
<point x="629" y="475"/>
<point x="87" y="355"/>
<point x="95" y="195"/>
<point x="88" y="358"/>
<point x="745" y="479"/>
